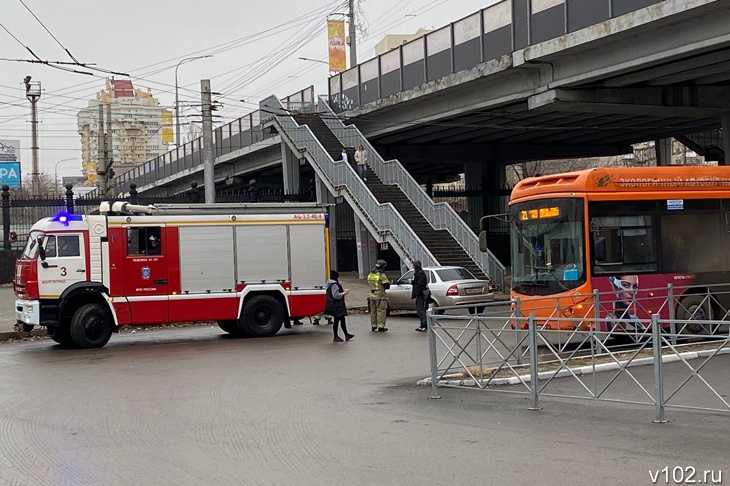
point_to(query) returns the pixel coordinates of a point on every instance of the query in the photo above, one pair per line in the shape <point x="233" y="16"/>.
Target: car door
<point x="399" y="294"/>
<point x="64" y="264"/>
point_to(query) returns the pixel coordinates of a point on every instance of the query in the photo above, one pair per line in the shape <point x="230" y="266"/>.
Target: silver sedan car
<point x="449" y="286"/>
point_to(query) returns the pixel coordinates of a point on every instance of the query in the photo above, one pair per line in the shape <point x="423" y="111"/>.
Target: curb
<point x="9" y="335"/>
<point x="579" y="371"/>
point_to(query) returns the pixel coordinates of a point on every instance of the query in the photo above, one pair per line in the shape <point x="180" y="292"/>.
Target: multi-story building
<point x="393" y="41"/>
<point x="140" y="127"/>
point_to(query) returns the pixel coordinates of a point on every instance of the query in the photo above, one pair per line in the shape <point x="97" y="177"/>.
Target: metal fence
<point x="20" y="213"/>
<point x="659" y="362"/>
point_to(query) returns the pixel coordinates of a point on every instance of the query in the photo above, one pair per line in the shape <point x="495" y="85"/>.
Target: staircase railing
<point x="383" y="220"/>
<point x="440" y="215"/>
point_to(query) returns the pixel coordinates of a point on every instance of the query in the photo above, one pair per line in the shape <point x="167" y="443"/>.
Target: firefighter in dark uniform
<point x="378" y="299"/>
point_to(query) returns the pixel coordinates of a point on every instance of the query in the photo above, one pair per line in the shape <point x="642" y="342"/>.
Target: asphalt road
<point x="192" y="406"/>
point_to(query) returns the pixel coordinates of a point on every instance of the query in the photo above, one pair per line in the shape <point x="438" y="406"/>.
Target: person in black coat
<point x="421" y="293"/>
<point x="335" y="306"/>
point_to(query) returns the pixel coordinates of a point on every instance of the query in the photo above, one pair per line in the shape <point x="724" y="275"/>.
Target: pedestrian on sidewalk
<point x="421" y="293"/>
<point x="343" y="155"/>
<point x="361" y="159"/>
<point x="336" y="307"/>
<point x="378" y="299"/>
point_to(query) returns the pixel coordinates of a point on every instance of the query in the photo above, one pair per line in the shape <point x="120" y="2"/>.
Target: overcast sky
<point x="256" y="46"/>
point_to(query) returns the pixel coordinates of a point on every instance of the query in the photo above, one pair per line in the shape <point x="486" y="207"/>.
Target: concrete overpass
<point x="519" y="80"/>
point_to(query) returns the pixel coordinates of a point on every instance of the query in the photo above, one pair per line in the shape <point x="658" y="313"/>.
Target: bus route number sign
<point x="540" y="213"/>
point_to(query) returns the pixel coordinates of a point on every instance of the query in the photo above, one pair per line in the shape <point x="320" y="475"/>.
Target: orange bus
<point x="622" y="232"/>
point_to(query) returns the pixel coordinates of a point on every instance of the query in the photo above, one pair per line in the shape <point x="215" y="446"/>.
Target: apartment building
<point x="140" y="127"/>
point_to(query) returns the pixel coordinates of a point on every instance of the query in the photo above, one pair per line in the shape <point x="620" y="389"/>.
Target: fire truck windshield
<point x="31" y="246"/>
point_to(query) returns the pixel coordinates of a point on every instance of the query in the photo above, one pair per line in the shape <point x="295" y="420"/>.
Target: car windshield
<point x="547" y="246"/>
<point x="451" y="274"/>
<point x="31" y="246"/>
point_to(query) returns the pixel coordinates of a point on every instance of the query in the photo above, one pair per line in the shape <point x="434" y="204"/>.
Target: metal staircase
<point x="421" y="230"/>
<point x="708" y="144"/>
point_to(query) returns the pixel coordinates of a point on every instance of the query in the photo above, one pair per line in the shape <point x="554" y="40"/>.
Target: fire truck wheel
<point x="91" y="326"/>
<point x="262" y="316"/>
<point x="62" y="335"/>
<point x="231" y="327"/>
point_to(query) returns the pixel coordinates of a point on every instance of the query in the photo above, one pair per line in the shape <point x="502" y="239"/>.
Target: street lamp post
<point x="55" y="171"/>
<point x="177" y="103"/>
<point x="314" y="60"/>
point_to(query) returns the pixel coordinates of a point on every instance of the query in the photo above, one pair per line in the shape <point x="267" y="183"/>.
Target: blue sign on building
<point x="10" y="174"/>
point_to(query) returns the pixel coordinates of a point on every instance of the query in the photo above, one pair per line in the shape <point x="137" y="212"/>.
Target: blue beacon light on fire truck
<point x="64" y="218"/>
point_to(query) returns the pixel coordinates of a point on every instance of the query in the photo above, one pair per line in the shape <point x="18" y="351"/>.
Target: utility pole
<point x="208" y="170"/>
<point x="101" y="161"/>
<point x="353" y="40"/>
<point x="33" y="93"/>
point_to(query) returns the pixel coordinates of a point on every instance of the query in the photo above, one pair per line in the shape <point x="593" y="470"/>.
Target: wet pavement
<point x="192" y="406"/>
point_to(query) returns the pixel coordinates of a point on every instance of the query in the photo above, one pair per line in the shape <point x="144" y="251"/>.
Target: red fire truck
<point x="252" y="268"/>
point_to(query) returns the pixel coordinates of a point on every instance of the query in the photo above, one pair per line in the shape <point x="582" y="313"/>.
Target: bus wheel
<point x="61" y="334"/>
<point x="91" y="326"/>
<point x="231" y="327"/>
<point x="695" y="308"/>
<point x="262" y="316"/>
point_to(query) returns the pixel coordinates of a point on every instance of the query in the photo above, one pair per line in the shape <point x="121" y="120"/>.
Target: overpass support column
<point x="726" y="136"/>
<point x="486" y="183"/>
<point x="324" y="197"/>
<point x="290" y="169"/>
<point x="367" y="249"/>
<point x="663" y="148"/>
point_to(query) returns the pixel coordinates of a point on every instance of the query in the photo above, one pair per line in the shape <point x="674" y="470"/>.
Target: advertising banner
<point x="336" y="39"/>
<point x="9" y="150"/>
<point x="10" y="174"/>
<point x="166" y="122"/>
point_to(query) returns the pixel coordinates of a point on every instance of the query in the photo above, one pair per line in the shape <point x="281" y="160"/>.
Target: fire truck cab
<point x="250" y="267"/>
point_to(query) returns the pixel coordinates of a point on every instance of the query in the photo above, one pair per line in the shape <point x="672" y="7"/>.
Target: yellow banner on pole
<point x="166" y="122"/>
<point x="336" y="38"/>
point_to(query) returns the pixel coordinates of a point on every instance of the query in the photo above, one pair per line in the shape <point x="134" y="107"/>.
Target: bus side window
<point x="599" y="248"/>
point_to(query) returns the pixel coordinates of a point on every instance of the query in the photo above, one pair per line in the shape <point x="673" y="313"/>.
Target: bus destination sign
<point x="540" y="213"/>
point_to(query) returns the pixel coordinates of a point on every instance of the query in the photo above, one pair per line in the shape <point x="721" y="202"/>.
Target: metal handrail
<point x="439" y="215"/>
<point x="383" y="220"/>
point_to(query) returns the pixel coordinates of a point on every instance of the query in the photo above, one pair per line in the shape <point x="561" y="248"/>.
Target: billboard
<point x="336" y="39"/>
<point x="10" y="174"/>
<point x="9" y="150"/>
<point x="166" y="122"/>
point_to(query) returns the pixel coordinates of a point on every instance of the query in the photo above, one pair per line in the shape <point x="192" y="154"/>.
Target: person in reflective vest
<point x="378" y="299"/>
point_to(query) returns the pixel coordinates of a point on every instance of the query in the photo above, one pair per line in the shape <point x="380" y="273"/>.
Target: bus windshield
<point x="547" y="243"/>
